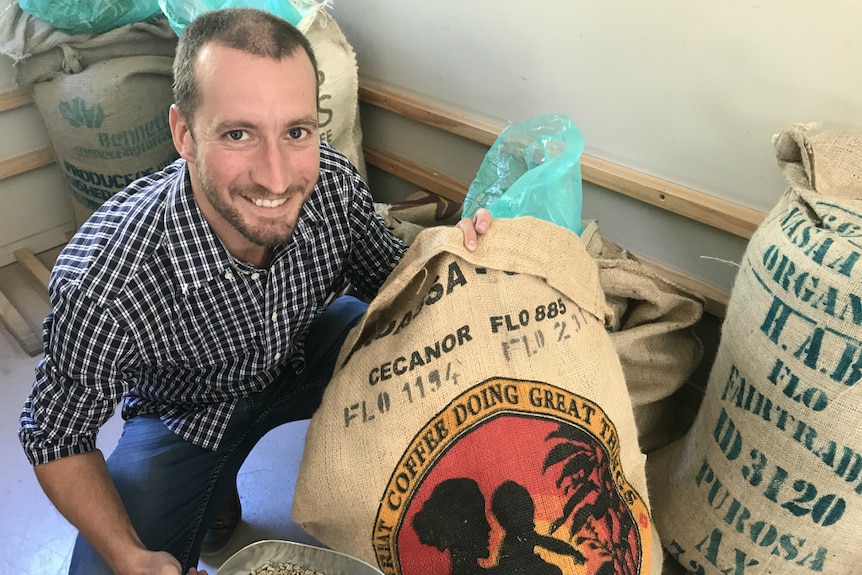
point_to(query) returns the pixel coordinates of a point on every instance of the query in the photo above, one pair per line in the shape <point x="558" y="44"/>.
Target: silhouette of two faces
<point x="453" y="519"/>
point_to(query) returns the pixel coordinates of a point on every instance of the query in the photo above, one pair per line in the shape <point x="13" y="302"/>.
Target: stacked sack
<point x="652" y="329"/>
<point x="103" y="99"/>
<point x="478" y="418"/>
<point x="338" y="77"/>
<point x="406" y="219"/>
<point x="769" y="478"/>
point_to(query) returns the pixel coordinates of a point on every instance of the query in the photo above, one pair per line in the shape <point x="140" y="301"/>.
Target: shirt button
<point x="228" y="275"/>
<point x="255" y="275"/>
<point x="274" y="316"/>
<point x="277" y="356"/>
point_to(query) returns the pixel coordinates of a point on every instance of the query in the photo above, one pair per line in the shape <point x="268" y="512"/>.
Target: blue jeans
<point x="173" y="490"/>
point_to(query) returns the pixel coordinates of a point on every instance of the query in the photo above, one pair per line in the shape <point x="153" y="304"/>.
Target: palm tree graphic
<point x="596" y="515"/>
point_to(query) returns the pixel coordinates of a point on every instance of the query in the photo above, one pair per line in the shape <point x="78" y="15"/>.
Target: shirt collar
<point x="197" y="253"/>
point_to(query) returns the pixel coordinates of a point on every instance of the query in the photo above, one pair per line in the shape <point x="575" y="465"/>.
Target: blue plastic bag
<point x="181" y="12"/>
<point x="90" y="16"/>
<point x="532" y="169"/>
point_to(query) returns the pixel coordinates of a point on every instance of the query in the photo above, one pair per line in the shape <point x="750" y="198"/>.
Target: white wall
<point x="688" y="91"/>
<point x="691" y="92"/>
<point x="35" y="210"/>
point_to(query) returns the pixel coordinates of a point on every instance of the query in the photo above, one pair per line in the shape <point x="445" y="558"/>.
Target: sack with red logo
<point x="478" y="418"/>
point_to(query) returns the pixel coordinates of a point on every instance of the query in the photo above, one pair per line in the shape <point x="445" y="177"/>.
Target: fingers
<point x="468" y="227"/>
<point x="474" y="227"/>
<point x="482" y="220"/>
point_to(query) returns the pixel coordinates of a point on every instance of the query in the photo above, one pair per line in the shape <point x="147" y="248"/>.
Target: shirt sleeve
<point x="376" y="250"/>
<point x="82" y="377"/>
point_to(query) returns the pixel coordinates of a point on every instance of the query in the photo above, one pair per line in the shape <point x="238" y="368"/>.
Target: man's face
<point x="254" y="157"/>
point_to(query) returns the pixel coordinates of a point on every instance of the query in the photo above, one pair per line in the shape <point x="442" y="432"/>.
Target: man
<point x="198" y="297"/>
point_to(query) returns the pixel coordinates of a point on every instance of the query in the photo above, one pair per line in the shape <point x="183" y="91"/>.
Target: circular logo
<point x="525" y="478"/>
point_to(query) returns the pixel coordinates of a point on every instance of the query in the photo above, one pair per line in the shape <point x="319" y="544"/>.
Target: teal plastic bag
<point x="90" y="16"/>
<point x="181" y="12"/>
<point x="532" y="169"/>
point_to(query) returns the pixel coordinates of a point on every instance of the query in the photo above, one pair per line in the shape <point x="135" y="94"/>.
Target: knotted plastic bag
<point x="181" y="12"/>
<point x="90" y="16"/>
<point x="532" y="169"/>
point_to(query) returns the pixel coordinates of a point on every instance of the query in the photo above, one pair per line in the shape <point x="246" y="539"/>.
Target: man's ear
<point x="181" y="132"/>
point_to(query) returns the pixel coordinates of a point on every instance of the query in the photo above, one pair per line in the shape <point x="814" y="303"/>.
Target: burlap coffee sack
<point x="407" y="218"/>
<point x="108" y="125"/>
<point x="769" y="477"/>
<point x="652" y="328"/>
<point x="40" y="52"/>
<point x="478" y="418"/>
<point x="838" y="168"/>
<point x="426" y="209"/>
<point x="338" y="76"/>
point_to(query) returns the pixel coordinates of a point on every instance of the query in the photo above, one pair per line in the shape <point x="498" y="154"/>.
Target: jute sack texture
<point x="768" y="479"/>
<point x="651" y="324"/>
<point x="406" y="219"/>
<point x="338" y="76"/>
<point x="39" y="51"/>
<point x="108" y="125"/>
<point x="478" y="417"/>
<point x="103" y="99"/>
<point x="652" y="329"/>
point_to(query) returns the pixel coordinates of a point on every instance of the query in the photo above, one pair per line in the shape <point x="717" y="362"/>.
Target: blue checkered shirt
<point x="149" y="308"/>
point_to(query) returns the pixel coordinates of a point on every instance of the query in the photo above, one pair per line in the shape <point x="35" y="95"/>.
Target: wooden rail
<point x="706" y="209"/>
<point x="440" y="184"/>
<point x="715" y="299"/>
<point x="714" y="212"/>
<point x="26" y="162"/>
<point x="15" y="99"/>
<point x="34" y="267"/>
<point x="20" y="329"/>
<point x="31" y="160"/>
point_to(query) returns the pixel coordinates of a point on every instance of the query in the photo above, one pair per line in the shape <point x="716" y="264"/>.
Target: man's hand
<point x="159" y="563"/>
<point x="81" y="488"/>
<point x="162" y="563"/>
<point x="474" y="227"/>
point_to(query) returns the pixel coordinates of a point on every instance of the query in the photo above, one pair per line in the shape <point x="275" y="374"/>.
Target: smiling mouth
<point x="268" y="203"/>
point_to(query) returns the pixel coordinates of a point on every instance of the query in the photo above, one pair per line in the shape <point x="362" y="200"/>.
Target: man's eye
<point x="297" y="133"/>
<point x="235" y="135"/>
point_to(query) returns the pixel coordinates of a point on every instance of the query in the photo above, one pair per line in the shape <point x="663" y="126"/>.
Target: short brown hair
<point x="247" y="29"/>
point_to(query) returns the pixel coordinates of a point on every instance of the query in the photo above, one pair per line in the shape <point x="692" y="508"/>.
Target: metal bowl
<point x="274" y="551"/>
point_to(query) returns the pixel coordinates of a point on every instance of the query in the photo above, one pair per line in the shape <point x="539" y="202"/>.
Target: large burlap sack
<point x="108" y="125"/>
<point x="651" y="326"/>
<point x="103" y="99"/>
<point x="767" y="480"/>
<point x="478" y="418"/>
<point x="652" y="329"/>
<point x="39" y="51"/>
<point x="338" y="109"/>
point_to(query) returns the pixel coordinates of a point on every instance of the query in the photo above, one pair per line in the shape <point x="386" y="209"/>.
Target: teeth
<point x="268" y="203"/>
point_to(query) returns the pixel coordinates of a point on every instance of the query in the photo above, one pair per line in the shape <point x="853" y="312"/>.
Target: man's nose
<point x="272" y="167"/>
